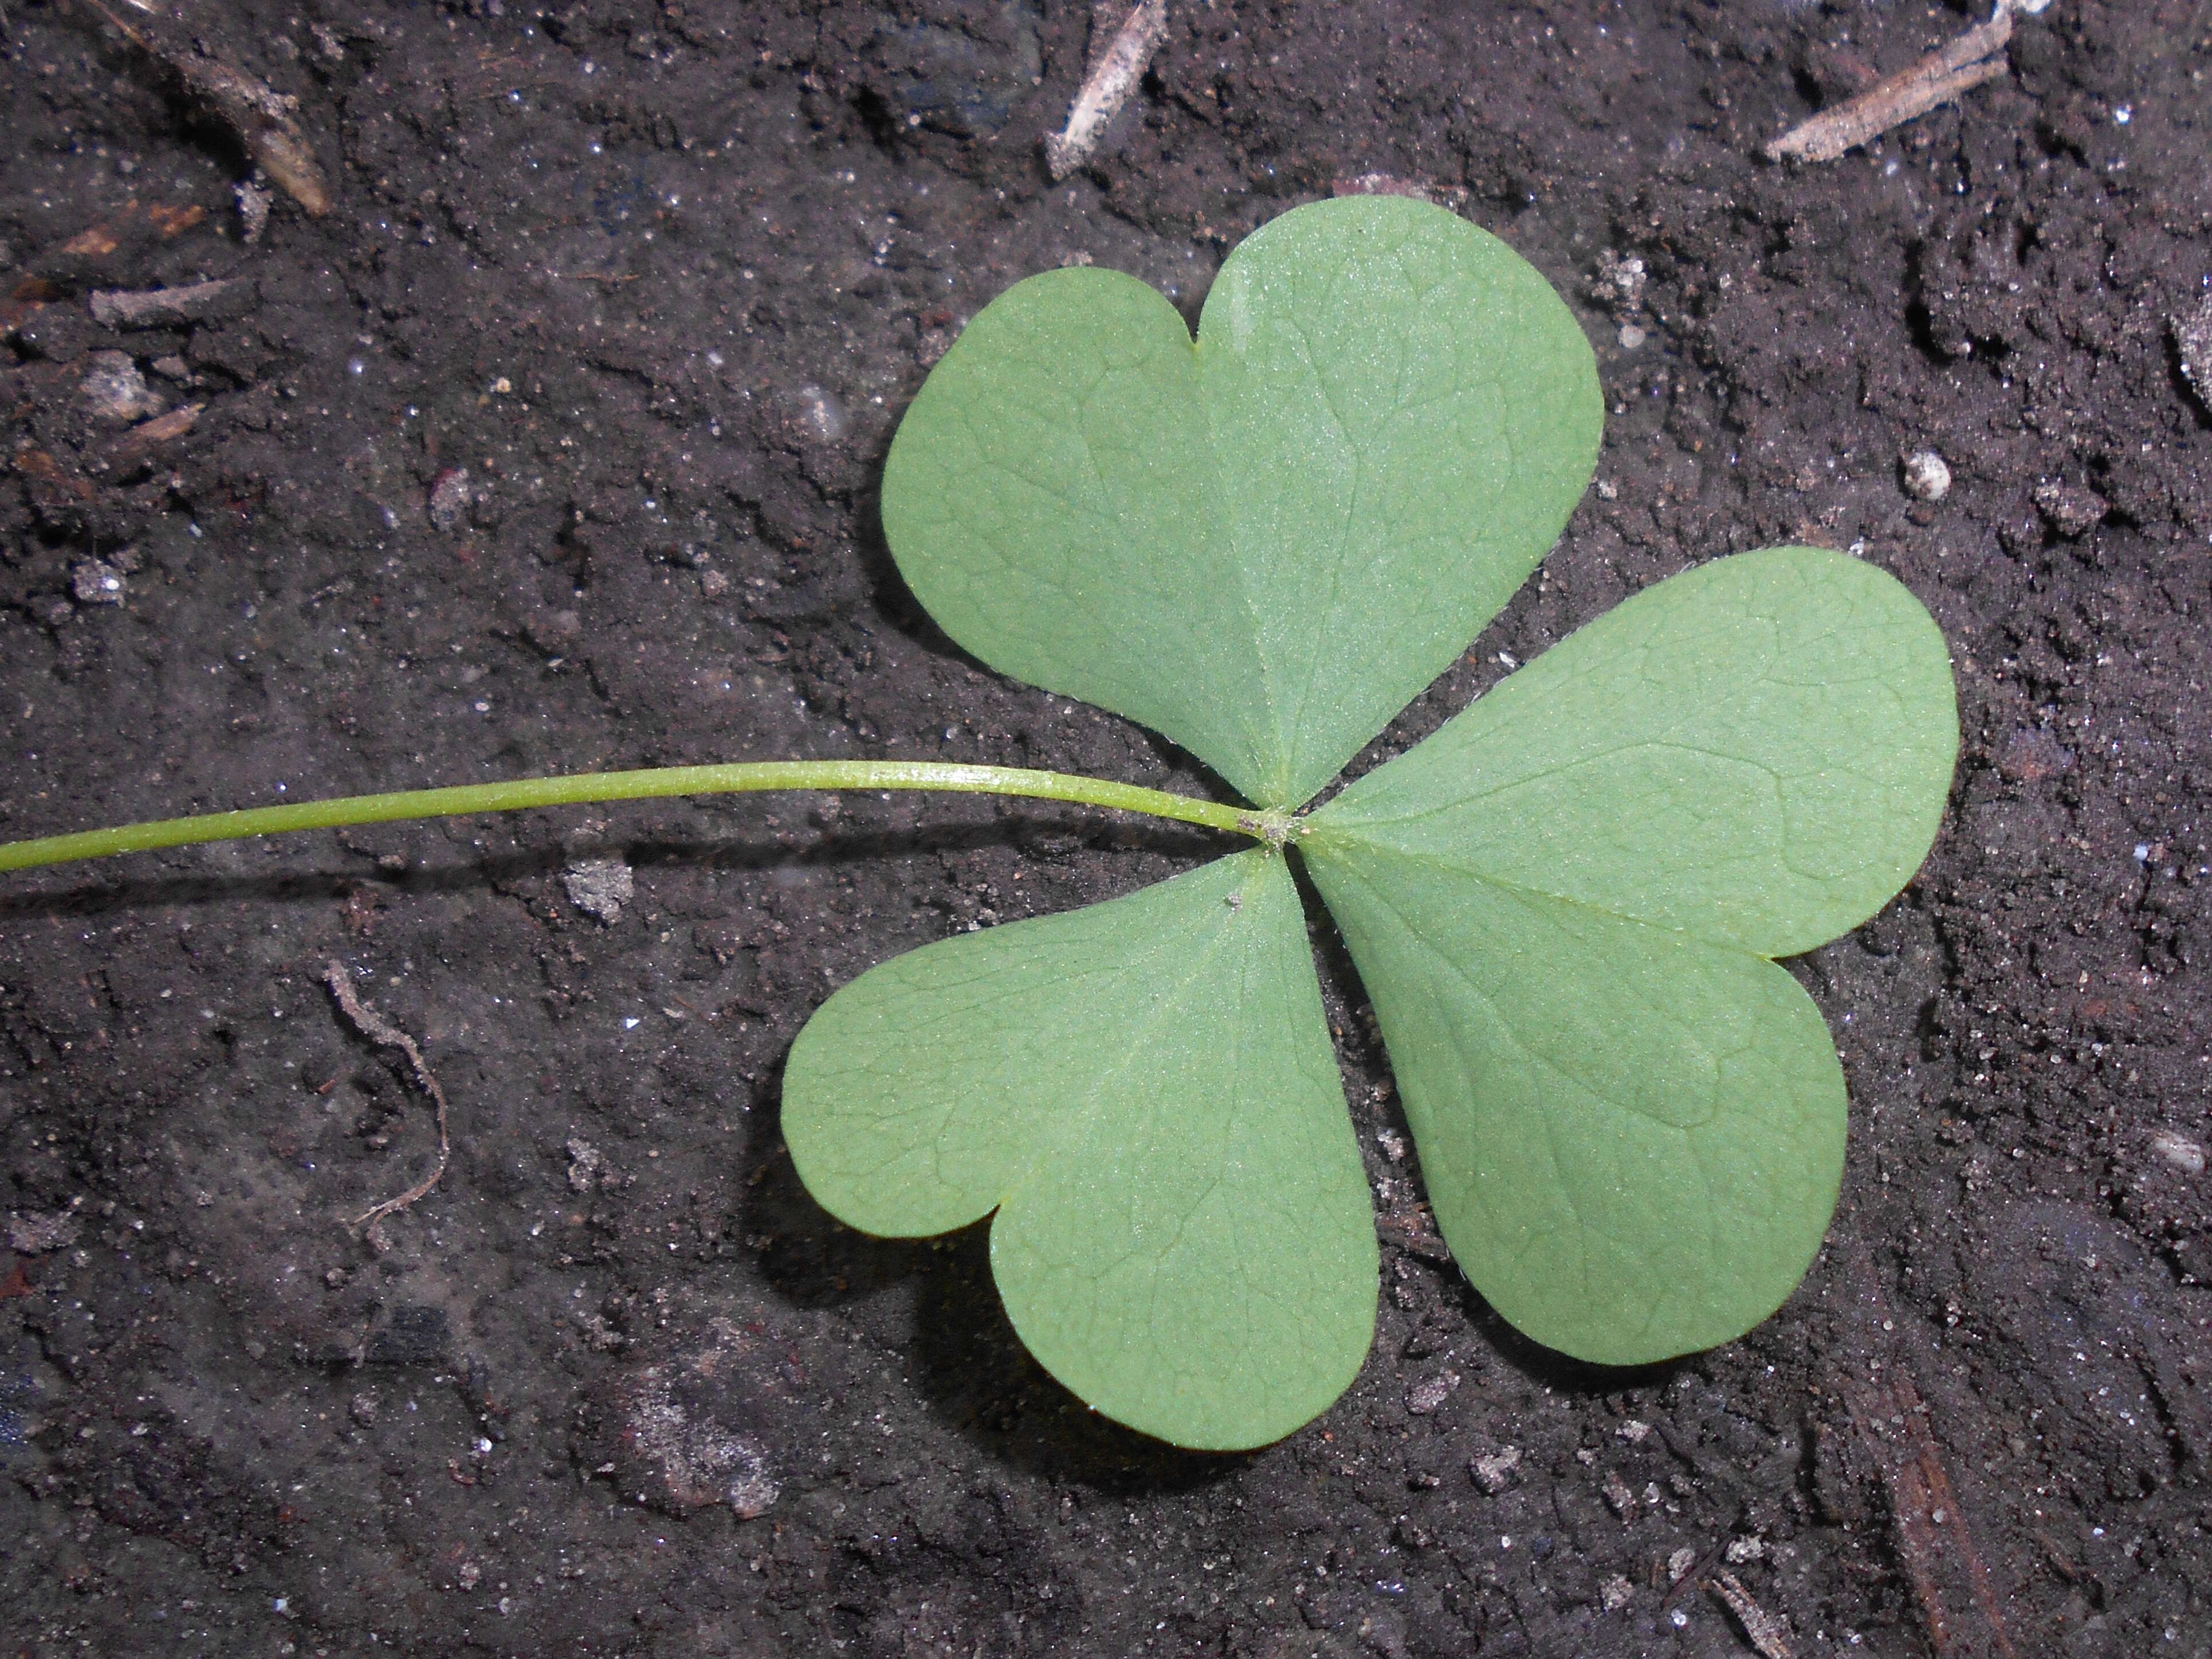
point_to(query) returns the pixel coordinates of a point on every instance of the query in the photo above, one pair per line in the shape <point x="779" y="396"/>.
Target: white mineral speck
<point x="1927" y="476"/>
<point x="2178" y="1150"/>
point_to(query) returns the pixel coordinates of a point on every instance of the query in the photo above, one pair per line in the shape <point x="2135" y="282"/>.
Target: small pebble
<point x="2192" y="342"/>
<point x="449" y="499"/>
<point x="1741" y="1550"/>
<point x="114" y="391"/>
<point x="2071" y="511"/>
<point x="1616" y="1593"/>
<point x="819" y="415"/>
<point x="1619" y="282"/>
<point x="1430" y="1392"/>
<point x="1679" y="1563"/>
<point x="1927" y="476"/>
<point x="599" y="887"/>
<point x="1631" y="337"/>
<point x="1494" y="1473"/>
<point x="2184" y="1154"/>
<point x="1635" y="1432"/>
<point x="95" y="581"/>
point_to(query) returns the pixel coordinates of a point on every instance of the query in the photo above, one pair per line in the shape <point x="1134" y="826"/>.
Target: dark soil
<point x="554" y="446"/>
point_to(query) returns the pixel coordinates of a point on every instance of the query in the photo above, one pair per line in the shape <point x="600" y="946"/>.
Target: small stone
<point x="1618" y="1497"/>
<point x="363" y="1409"/>
<point x="1616" y="1593"/>
<point x="1619" y="282"/>
<point x="1634" y="1432"/>
<point x="95" y="581"/>
<point x="1392" y="1145"/>
<point x="34" y="1233"/>
<point x="2071" y="510"/>
<point x="553" y="631"/>
<point x="2183" y="1153"/>
<point x="817" y="414"/>
<point x="1741" y="1550"/>
<point x="252" y="211"/>
<point x="1631" y="337"/>
<point x="1494" y="1473"/>
<point x="1679" y="1563"/>
<point x="469" y="1575"/>
<point x="1927" y="476"/>
<point x="599" y="887"/>
<point x="449" y="499"/>
<point x="2192" y="343"/>
<point x="713" y="584"/>
<point x="2033" y="754"/>
<point x="114" y="391"/>
<point x="586" y="1165"/>
<point x="1430" y="1392"/>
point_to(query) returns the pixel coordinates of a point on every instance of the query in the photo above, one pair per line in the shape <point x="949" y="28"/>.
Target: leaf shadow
<point x="967" y="1362"/>
<point x="1022" y="828"/>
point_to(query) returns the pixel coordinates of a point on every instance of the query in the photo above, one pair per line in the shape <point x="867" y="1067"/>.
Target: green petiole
<point x="1274" y="828"/>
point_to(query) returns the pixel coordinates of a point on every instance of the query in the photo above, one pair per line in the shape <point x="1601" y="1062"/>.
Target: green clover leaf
<point x="1565" y="903"/>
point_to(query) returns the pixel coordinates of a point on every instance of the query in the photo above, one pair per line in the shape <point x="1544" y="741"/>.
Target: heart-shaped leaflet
<point x="1264" y="543"/>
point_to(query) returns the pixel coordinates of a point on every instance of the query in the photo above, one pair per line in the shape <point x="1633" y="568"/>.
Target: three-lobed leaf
<point x="1563" y="903"/>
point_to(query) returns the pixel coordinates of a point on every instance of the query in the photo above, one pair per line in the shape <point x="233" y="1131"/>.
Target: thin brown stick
<point x="260" y="116"/>
<point x="1107" y="87"/>
<point x="377" y="1028"/>
<point x="1975" y="56"/>
<point x="1934" y="1540"/>
<point x="1767" y="1632"/>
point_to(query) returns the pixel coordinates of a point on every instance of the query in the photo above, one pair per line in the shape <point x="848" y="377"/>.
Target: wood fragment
<point x="377" y="1028"/>
<point x="1765" y="1632"/>
<point x="132" y="222"/>
<point x="1944" y="75"/>
<point x="260" y="116"/>
<point x="157" y="307"/>
<point x="147" y="436"/>
<point x="1933" y="1541"/>
<point x="1107" y="87"/>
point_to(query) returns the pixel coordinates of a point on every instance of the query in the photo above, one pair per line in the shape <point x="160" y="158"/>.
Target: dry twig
<point x="1933" y="1540"/>
<point x="377" y="1028"/>
<point x="1113" y="76"/>
<point x="1767" y="1632"/>
<point x="157" y="307"/>
<point x="1975" y="56"/>
<point x="261" y="117"/>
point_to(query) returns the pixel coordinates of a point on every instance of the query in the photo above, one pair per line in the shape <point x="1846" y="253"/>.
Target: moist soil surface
<point x="554" y="445"/>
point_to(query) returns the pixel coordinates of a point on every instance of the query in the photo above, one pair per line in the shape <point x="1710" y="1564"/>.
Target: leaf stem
<point x="583" y="786"/>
